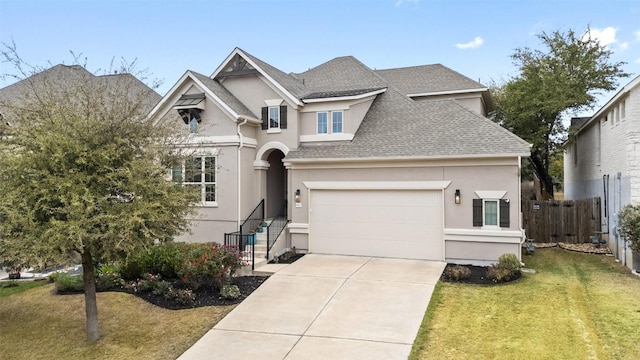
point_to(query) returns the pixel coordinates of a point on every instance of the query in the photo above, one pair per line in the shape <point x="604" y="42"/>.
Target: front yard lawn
<point x="576" y="306"/>
<point x="13" y="287"/>
<point x="37" y="324"/>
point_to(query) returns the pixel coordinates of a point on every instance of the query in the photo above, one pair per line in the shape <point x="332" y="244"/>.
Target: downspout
<point x="520" y="220"/>
<point x="239" y="162"/>
<point x="624" y="245"/>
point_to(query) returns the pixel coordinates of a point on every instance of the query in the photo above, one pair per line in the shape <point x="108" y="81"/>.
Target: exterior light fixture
<point x="457" y="196"/>
<point x="297" y="196"/>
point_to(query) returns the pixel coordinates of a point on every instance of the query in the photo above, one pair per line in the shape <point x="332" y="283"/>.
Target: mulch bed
<point x="478" y="276"/>
<point x="205" y="296"/>
<point x="588" y="248"/>
<point x="290" y="260"/>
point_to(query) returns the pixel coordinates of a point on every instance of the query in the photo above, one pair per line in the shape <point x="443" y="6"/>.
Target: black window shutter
<point x="504" y="213"/>
<point x="477" y="212"/>
<point x="283" y="116"/>
<point x="265" y="118"/>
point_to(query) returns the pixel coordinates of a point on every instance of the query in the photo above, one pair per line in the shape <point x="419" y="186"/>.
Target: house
<point x="601" y="160"/>
<point x="54" y="78"/>
<point x="398" y="163"/>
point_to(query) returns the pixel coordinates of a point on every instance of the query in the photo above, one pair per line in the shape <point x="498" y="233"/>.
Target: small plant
<point x="161" y="287"/>
<point x="181" y="296"/>
<point x="230" y="292"/>
<point x="458" y="273"/>
<point x="509" y="260"/>
<point x="108" y="281"/>
<point x="147" y="283"/>
<point x="69" y="283"/>
<point x="506" y="269"/>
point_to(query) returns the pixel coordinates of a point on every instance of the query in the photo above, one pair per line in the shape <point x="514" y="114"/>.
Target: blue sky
<point x="167" y="37"/>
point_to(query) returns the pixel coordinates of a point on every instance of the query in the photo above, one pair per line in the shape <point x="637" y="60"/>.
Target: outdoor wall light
<point x="457" y="196"/>
<point x="297" y="196"/>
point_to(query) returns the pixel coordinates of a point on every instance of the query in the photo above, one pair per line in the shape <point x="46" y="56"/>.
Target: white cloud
<point x="624" y="46"/>
<point x="637" y="34"/>
<point x="471" y="44"/>
<point x="400" y="2"/>
<point x="604" y="36"/>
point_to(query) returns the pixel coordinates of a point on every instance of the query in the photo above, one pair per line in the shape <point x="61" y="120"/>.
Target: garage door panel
<point x="385" y="223"/>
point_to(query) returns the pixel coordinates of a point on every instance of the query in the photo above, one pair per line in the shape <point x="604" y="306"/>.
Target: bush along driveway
<point x="576" y="306"/>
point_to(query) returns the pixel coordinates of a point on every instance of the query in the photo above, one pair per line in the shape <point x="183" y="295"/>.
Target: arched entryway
<point x="276" y="196"/>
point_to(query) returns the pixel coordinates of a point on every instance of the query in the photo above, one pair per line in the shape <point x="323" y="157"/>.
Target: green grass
<point x="7" y="289"/>
<point x="576" y="306"/>
<point x="36" y="324"/>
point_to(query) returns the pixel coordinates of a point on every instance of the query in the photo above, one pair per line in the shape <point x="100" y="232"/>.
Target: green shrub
<point x="630" y="225"/>
<point x="457" y="272"/>
<point x="163" y="259"/>
<point x="108" y="281"/>
<point x="506" y="269"/>
<point x="230" y="292"/>
<point x="69" y="283"/>
<point x="161" y="287"/>
<point x="510" y="260"/>
<point x="147" y="283"/>
<point x="208" y="262"/>
<point x="181" y="296"/>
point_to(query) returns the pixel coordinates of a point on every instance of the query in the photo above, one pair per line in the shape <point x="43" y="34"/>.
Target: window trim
<point x="329" y="122"/>
<point x="202" y="183"/>
<point x="484" y="214"/>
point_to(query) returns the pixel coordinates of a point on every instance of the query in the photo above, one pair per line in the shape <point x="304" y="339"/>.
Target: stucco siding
<point x="477" y="253"/>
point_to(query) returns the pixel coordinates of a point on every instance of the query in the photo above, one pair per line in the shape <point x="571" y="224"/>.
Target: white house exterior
<point x="602" y="159"/>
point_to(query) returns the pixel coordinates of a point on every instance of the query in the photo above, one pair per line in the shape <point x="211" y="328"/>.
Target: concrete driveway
<point x="327" y="307"/>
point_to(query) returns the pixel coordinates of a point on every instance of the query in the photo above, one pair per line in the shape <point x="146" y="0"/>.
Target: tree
<point x="563" y="79"/>
<point x="83" y="173"/>
<point x="630" y="225"/>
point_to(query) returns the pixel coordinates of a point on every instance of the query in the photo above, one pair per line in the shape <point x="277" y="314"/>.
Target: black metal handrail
<point x="276" y="227"/>
<point x="244" y="240"/>
<point x="244" y="245"/>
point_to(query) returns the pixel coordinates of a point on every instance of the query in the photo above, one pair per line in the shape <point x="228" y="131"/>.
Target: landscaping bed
<point x="588" y="248"/>
<point x="477" y="276"/>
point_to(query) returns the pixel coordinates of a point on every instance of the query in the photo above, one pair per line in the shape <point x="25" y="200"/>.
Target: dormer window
<point x="190" y="107"/>
<point x="326" y="127"/>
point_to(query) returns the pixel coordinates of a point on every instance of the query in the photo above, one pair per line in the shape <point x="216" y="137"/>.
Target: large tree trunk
<point x="91" y="305"/>
<point x="546" y="183"/>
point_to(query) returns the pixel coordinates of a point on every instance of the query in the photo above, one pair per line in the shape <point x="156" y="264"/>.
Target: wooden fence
<point x="568" y="221"/>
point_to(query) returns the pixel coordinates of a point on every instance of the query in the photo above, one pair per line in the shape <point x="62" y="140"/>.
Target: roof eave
<point x="345" y="98"/>
<point x="410" y="158"/>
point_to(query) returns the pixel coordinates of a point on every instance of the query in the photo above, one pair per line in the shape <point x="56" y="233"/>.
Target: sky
<point x="168" y="37"/>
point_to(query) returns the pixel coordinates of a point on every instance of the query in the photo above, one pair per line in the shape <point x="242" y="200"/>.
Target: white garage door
<point x="382" y="223"/>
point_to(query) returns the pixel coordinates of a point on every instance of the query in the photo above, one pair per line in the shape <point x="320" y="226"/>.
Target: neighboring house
<point x="54" y="78"/>
<point x="601" y="160"/>
<point x="397" y="163"/>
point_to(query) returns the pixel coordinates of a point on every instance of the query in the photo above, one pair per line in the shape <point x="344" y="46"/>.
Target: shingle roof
<point x="340" y="74"/>
<point x="289" y="82"/>
<point x="224" y="95"/>
<point x="61" y="74"/>
<point x="397" y="126"/>
<point x="427" y="78"/>
<point x="339" y="93"/>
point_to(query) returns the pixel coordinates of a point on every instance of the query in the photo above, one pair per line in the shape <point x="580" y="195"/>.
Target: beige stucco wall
<point x="467" y="175"/>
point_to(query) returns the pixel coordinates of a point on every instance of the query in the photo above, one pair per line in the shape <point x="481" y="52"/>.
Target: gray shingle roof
<point x="54" y="78"/>
<point x="427" y="78"/>
<point x="397" y="126"/>
<point x="339" y="93"/>
<point x="340" y="74"/>
<point x="224" y="94"/>
<point x="289" y="82"/>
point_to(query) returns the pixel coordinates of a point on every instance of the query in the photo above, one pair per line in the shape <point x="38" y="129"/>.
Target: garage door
<point x="383" y="223"/>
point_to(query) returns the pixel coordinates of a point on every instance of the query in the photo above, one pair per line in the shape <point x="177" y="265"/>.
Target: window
<point x="193" y="125"/>
<point x="336" y="122"/>
<point x="274" y="117"/>
<point x="199" y="171"/>
<point x="323" y="122"/>
<point x="491" y="213"/>
<point x="623" y="109"/>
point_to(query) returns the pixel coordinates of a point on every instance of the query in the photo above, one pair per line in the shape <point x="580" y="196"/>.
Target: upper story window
<point x="274" y="118"/>
<point x="623" y="109"/>
<point x="198" y="171"/>
<point x="326" y="127"/>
